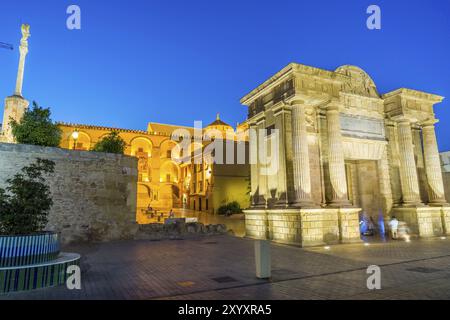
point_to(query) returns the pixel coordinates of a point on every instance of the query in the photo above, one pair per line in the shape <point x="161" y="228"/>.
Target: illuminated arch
<point x="141" y="144"/>
<point x="165" y="148"/>
<point x="82" y="143"/>
<point x="169" y="172"/>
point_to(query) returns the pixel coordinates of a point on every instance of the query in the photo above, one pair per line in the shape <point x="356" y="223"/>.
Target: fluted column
<point x="280" y="120"/>
<point x="253" y="143"/>
<point x="432" y="165"/>
<point x="336" y="161"/>
<point x="262" y="154"/>
<point x="300" y="157"/>
<point x="408" y="170"/>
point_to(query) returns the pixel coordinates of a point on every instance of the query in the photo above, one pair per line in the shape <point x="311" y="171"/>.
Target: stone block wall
<point x="284" y="226"/>
<point x="256" y="224"/>
<point x="446" y="178"/>
<point x="94" y="194"/>
<point x="304" y="227"/>
<point x="423" y="221"/>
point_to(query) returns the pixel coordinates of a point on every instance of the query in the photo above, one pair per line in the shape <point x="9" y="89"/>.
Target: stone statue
<point x="25" y="32"/>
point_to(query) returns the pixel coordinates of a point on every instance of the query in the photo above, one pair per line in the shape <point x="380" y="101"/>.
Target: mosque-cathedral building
<point x="164" y="183"/>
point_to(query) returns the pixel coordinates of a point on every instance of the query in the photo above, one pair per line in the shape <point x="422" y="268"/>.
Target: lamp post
<point x="75" y="138"/>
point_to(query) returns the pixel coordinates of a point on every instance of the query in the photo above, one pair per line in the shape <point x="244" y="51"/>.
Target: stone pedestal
<point x="15" y="107"/>
<point x="445" y="215"/>
<point x="256" y="223"/>
<point x="304" y="227"/>
<point x="422" y="221"/>
<point x="349" y="225"/>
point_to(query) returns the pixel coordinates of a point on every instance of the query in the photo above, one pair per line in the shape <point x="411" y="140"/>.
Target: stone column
<point x="408" y="170"/>
<point x="300" y="157"/>
<point x="336" y="162"/>
<point x="280" y="120"/>
<point x="23" y="53"/>
<point x="253" y="143"/>
<point x="432" y="165"/>
<point x="261" y="201"/>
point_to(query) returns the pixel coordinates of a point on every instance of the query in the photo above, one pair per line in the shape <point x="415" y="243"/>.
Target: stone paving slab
<point x="222" y="267"/>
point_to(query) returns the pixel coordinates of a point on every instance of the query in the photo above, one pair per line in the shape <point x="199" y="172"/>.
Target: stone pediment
<point x="356" y="81"/>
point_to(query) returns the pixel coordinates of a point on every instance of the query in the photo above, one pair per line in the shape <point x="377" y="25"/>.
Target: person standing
<point x="393" y="224"/>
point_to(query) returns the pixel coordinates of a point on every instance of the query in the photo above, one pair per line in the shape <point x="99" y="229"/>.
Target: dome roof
<point x="218" y="123"/>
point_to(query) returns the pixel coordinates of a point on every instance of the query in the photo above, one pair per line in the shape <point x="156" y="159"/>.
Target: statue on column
<point x="16" y="105"/>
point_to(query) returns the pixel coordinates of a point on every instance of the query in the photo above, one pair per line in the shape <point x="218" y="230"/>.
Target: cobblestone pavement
<point x="222" y="267"/>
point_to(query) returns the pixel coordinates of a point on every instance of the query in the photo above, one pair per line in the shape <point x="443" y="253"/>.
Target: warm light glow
<point x="327" y="247"/>
<point x="366" y="244"/>
<point x="443" y="238"/>
<point x="75" y="135"/>
<point x="407" y="238"/>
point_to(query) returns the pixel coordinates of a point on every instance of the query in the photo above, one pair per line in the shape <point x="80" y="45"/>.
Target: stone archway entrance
<point x="364" y="190"/>
<point x="368" y="180"/>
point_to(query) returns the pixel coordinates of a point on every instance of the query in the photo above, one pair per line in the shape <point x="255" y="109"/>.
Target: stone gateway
<point x="346" y="154"/>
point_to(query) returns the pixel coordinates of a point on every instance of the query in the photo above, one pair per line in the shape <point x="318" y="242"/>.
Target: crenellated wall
<point x="94" y="194"/>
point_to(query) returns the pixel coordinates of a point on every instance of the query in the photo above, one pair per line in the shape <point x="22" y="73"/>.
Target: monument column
<point x="433" y="165"/>
<point x="16" y="105"/>
<point x="23" y="53"/>
<point x="336" y="158"/>
<point x="300" y="157"/>
<point x="408" y="170"/>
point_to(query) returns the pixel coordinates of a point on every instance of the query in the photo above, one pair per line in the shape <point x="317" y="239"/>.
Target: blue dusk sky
<point x="134" y="62"/>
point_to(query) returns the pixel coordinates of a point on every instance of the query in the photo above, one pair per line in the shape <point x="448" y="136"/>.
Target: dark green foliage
<point x="230" y="208"/>
<point x="36" y="128"/>
<point x="112" y="143"/>
<point x="26" y="201"/>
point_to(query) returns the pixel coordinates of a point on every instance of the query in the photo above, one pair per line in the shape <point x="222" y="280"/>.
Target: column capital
<point x="282" y="108"/>
<point x="296" y="101"/>
<point x="429" y="123"/>
<point x="260" y="119"/>
<point x="252" y="124"/>
<point x="332" y="107"/>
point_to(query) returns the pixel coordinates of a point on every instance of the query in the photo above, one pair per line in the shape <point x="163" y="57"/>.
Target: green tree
<point x="26" y="201"/>
<point x="36" y="128"/>
<point x="229" y="208"/>
<point x="111" y="143"/>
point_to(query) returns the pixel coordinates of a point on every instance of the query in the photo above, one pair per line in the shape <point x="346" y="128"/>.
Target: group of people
<point x="369" y="227"/>
<point x="151" y="212"/>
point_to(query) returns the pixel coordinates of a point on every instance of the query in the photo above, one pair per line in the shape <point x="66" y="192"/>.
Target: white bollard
<point x="262" y="259"/>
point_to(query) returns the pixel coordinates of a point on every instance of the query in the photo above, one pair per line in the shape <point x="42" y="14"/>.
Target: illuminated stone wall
<point x="445" y="161"/>
<point x="94" y="194"/>
<point x="154" y="164"/>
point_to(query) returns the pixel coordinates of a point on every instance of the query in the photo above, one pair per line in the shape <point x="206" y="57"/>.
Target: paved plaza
<point x="222" y="267"/>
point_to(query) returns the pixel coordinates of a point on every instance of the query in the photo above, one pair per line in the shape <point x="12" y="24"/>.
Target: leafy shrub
<point x="36" y="128"/>
<point x="229" y="208"/>
<point x="26" y="201"/>
<point x="111" y="143"/>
